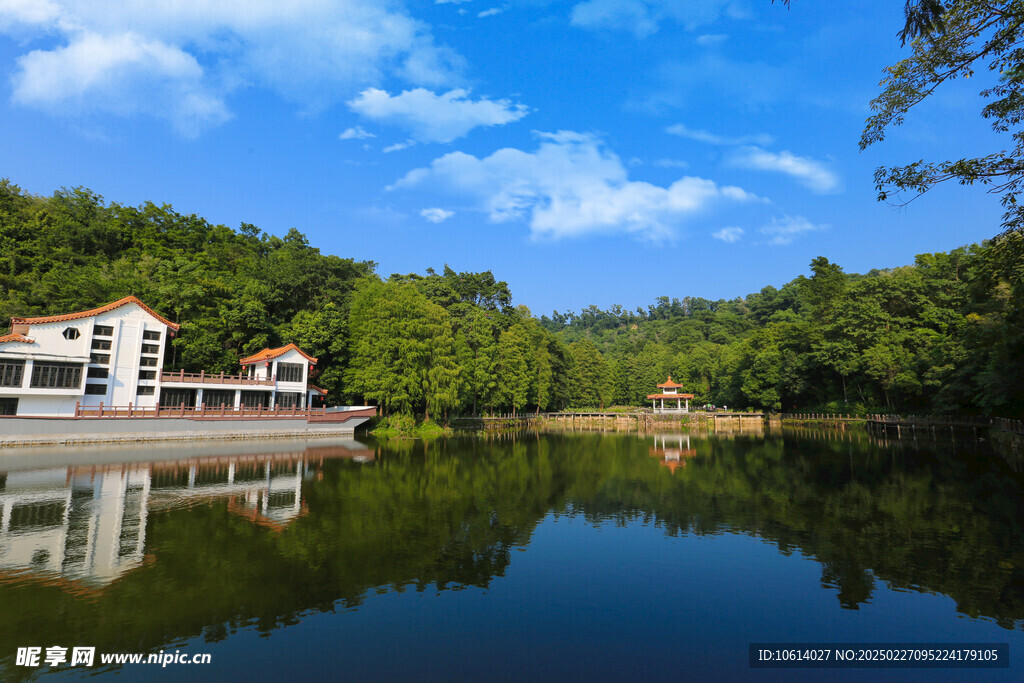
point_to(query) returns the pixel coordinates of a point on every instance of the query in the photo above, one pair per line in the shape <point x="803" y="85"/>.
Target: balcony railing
<point x="214" y="378"/>
<point x="204" y="412"/>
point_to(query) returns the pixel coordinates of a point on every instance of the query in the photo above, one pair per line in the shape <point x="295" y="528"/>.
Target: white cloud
<point x="435" y="118"/>
<point x="436" y="215"/>
<point x="182" y="59"/>
<point x="356" y="133"/>
<point x="490" y="12"/>
<point x="712" y="139"/>
<point x="809" y="172"/>
<point x="729" y="235"/>
<point x="783" y="231"/>
<point x="398" y="146"/>
<point x="671" y="163"/>
<point x="644" y="17"/>
<point x="570" y="186"/>
<point x="91" y="73"/>
<point x="630" y="15"/>
<point x="710" y="39"/>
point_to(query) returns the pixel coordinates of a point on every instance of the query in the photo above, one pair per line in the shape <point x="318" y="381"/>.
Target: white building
<point x="113" y="355"/>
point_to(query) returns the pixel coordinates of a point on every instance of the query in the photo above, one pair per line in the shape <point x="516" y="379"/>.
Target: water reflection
<point x="87" y="524"/>
<point x="133" y="555"/>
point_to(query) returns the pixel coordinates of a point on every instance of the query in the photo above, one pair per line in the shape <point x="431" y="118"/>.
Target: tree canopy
<point x="950" y="40"/>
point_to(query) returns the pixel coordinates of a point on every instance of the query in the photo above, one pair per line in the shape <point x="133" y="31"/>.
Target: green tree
<point x="950" y="40"/>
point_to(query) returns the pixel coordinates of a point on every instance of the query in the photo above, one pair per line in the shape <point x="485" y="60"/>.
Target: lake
<point x="527" y="556"/>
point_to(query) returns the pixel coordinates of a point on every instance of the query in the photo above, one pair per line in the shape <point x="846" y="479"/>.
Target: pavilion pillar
<point x="687" y="405"/>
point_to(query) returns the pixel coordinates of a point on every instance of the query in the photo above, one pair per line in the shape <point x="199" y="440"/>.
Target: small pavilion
<point x="670" y="391"/>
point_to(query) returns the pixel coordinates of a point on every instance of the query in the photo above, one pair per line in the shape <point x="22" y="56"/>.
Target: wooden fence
<point x="204" y="412"/>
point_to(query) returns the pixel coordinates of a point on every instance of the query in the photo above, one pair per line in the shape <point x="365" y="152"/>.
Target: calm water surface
<point x="552" y="556"/>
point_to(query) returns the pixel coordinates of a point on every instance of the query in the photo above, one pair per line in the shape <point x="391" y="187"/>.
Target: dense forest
<point x="944" y="335"/>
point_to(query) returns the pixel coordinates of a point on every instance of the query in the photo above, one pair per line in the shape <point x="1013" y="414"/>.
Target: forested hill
<point x="944" y="335"/>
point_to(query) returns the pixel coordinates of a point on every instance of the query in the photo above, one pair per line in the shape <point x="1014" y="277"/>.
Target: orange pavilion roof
<point x="95" y="311"/>
<point x="669" y="395"/>
<point x="270" y="354"/>
<point x="669" y="384"/>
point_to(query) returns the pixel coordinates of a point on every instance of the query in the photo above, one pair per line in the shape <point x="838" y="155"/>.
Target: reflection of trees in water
<point x="903" y="515"/>
<point x="447" y="514"/>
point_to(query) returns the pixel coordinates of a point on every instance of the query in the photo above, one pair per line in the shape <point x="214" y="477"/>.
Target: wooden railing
<point x="1014" y="426"/>
<point x="932" y="420"/>
<point x="824" y="417"/>
<point x="222" y="412"/>
<point x="214" y="378"/>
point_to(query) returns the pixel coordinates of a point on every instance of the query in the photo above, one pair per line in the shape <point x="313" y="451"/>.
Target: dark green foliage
<point x="233" y="292"/>
<point x="945" y="335"/>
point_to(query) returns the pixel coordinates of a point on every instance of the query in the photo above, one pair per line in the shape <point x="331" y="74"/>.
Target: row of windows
<point x="47" y="375"/>
<point x="104" y="359"/>
<point x="108" y="330"/>
<point x="104" y="345"/>
<point x="101" y="389"/>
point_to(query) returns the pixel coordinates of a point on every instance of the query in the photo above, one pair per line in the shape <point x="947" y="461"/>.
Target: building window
<point x="11" y="373"/>
<point x="71" y="333"/>
<point x="102" y="330"/>
<point x="151" y="335"/>
<point x="289" y="372"/>
<point x="55" y="375"/>
<point x="99" y="358"/>
<point x="8" y="406"/>
<point x="175" y="397"/>
<point x="150" y="348"/>
<point x="288" y="400"/>
<point x="214" y="398"/>
<point x="255" y="399"/>
<point x="97" y="373"/>
<point x="96" y="389"/>
<point x="145" y="391"/>
<point x="147" y="374"/>
<point x="101" y="344"/>
<point x="148" y="362"/>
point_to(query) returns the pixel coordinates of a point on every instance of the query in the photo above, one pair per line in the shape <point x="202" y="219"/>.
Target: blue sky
<point x="587" y="152"/>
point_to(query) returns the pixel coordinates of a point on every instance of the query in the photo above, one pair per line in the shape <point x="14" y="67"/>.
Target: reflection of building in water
<point x="672" y="451"/>
<point x="89" y="523"/>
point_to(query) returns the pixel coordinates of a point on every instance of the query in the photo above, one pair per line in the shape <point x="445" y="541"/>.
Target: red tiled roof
<point x="318" y="389"/>
<point x="95" y="311"/>
<point x="15" y="338"/>
<point x="669" y="395"/>
<point x="268" y="354"/>
<point x="669" y="384"/>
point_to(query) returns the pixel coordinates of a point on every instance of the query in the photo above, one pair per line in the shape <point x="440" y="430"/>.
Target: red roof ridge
<point x="15" y="337"/>
<point x="95" y="311"/>
<point x="267" y="354"/>
<point x="669" y="384"/>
